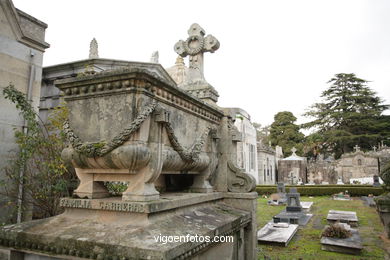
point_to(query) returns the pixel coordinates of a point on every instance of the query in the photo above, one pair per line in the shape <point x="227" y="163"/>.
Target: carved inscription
<point x="76" y="203"/>
<point x="103" y="205"/>
<point x="121" y="206"/>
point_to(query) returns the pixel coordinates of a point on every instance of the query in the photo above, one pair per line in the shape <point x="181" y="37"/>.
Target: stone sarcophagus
<point x="134" y="125"/>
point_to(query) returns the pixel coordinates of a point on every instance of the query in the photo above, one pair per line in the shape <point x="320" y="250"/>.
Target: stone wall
<point x="247" y="149"/>
<point x="21" y="52"/>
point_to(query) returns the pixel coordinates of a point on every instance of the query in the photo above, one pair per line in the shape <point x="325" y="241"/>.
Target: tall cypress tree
<point x="350" y="114"/>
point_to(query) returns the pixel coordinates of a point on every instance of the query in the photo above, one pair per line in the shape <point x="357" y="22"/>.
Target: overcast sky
<point x="274" y="55"/>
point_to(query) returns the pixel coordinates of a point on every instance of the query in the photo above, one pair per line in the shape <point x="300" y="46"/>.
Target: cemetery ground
<point x="306" y="243"/>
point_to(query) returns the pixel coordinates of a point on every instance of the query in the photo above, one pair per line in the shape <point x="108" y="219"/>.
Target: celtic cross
<point x="195" y="45"/>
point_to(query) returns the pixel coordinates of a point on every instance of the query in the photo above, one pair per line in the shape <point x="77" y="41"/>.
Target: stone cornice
<point x="14" y="15"/>
<point x="131" y="80"/>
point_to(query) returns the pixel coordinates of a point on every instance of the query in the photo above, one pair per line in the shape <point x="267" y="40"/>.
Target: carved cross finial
<point x="154" y="58"/>
<point x="293" y="150"/>
<point x="357" y="148"/>
<point x="374" y="148"/>
<point x="93" y="49"/>
<point x="195" y="45"/>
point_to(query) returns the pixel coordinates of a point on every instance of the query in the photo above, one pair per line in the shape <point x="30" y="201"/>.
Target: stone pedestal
<point x="383" y="208"/>
<point x="115" y="229"/>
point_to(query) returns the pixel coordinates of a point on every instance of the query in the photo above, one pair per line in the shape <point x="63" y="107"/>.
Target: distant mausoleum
<point x="355" y="167"/>
<point x="293" y="169"/>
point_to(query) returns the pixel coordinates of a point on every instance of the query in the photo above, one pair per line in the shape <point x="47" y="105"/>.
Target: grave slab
<point x="348" y="217"/>
<point x="306" y="205"/>
<point x="351" y="245"/>
<point x="277" y="233"/>
<point x="299" y="218"/>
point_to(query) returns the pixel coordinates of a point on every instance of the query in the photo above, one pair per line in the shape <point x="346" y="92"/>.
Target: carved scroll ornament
<point x="238" y="180"/>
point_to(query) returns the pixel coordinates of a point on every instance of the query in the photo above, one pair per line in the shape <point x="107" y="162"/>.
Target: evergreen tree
<point x="350" y="114"/>
<point x="285" y="133"/>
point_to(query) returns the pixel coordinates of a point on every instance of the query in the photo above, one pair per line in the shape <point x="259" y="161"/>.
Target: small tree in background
<point x="285" y="133"/>
<point x="350" y="114"/>
<point x="38" y="166"/>
<point x="262" y="133"/>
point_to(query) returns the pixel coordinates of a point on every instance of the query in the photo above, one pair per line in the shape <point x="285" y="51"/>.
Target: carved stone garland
<point x="98" y="149"/>
<point x="101" y="148"/>
<point x="187" y="155"/>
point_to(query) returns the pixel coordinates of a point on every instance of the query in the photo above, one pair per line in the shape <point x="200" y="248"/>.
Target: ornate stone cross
<point x="195" y="45"/>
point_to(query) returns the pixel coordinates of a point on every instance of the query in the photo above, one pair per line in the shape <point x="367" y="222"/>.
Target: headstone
<point x="376" y="181"/>
<point x="293" y="201"/>
<point x="293" y="214"/>
<point x="348" y="217"/>
<point x="352" y="245"/>
<point x="277" y="233"/>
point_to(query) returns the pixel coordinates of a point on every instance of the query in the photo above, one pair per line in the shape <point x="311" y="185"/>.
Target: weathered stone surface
<point x="348" y="217"/>
<point x="22" y="44"/>
<point x="194" y="47"/>
<point x="351" y="245"/>
<point x="90" y="234"/>
<point x="277" y="233"/>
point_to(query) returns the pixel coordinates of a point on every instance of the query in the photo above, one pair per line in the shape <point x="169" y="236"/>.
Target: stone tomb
<point x="351" y="245"/>
<point x="348" y="217"/>
<point x="135" y="125"/>
<point x="277" y="233"/>
<point x="293" y="213"/>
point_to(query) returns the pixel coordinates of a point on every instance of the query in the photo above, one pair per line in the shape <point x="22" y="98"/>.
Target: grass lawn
<point x="306" y="242"/>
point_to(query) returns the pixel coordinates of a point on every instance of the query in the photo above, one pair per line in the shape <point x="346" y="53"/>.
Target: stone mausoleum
<point x="176" y="149"/>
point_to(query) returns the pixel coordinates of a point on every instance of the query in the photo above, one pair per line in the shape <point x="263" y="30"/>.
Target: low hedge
<point x="321" y="190"/>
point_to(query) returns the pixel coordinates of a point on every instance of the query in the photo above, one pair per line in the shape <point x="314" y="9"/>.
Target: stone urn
<point x="383" y="201"/>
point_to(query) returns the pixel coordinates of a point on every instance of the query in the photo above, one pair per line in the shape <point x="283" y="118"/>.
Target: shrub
<point x="36" y="177"/>
<point x="322" y="190"/>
